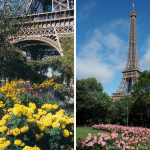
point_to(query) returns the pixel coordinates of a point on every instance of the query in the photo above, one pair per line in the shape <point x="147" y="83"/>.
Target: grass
<point x="82" y="132"/>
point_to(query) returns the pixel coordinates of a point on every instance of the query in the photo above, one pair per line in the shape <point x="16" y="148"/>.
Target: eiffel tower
<point x="132" y="69"/>
<point x="47" y="22"/>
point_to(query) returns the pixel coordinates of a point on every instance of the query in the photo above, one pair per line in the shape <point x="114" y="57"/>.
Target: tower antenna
<point x="133" y="6"/>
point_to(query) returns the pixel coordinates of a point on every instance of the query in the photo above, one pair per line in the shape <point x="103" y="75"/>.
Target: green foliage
<point x="8" y="27"/>
<point x="87" y="91"/>
<point x="141" y="91"/>
<point x="64" y="65"/>
<point x="91" y="102"/>
<point x="26" y="98"/>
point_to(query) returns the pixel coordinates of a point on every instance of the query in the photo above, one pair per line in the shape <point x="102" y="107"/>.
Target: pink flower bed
<point x="128" y="138"/>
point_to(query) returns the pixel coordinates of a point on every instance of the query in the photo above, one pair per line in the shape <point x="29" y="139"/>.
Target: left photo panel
<point x="37" y="74"/>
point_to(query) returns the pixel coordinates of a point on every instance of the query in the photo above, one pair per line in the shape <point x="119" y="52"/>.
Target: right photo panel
<point x="112" y="75"/>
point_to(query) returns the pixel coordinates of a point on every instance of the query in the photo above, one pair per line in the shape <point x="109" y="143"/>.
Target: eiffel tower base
<point x="127" y="80"/>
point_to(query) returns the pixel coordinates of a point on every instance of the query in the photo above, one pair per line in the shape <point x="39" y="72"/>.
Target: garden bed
<point x="121" y="138"/>
<point x="35" y="117"/>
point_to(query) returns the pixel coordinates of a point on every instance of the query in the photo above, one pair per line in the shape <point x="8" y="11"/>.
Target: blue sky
<point x="102" y="33"/>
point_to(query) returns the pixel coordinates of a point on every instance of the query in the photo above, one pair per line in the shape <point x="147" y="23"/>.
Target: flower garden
<point x="121" y="137"/>
<point x="35" y="117"/>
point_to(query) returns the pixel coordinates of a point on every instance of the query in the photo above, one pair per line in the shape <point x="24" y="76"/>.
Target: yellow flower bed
<point x="43" y="118"/>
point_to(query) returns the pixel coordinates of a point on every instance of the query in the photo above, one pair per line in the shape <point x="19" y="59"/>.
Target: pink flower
<point x="114" y="135"/>
<point x="82" y="147"/>
<point x="90" y="144"/>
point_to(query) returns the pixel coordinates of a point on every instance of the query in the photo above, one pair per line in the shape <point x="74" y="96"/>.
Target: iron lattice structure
<point x="46" y="23"/>
<point x="132" y="69"/>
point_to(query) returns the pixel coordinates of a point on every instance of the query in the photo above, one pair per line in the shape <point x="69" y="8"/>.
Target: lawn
<point x="82" y="132"/>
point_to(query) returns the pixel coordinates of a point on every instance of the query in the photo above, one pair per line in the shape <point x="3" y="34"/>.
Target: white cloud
<point x="102" y="56"/>
<point x="117" y="25"/>
<point x="93" y="68"/>
<point x="145" y="61"/>
<point x="91" y="49"/>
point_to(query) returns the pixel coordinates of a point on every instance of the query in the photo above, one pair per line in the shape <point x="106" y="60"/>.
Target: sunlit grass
<point x="82" y="132"/>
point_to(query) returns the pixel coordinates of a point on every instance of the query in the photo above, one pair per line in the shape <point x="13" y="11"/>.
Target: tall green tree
<point x="87" y="92"/>
<point x="141" y="91"/>
<point x="102" y="108"/>
<point x="127" y="103"/>
<point x="10" y="23"/>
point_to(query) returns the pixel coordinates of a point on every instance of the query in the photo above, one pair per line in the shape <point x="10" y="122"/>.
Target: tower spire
<point x="132" y="69"/>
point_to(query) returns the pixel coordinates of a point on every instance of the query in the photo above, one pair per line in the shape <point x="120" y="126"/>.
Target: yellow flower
<point x="16" y="131"/>
<point x="30" y="117"/>
<point x="17" y="111"/>
<point x="7" y="143"/>
<point x="61" y="111"/>
<point x="10" y="110"/>
<point x="4" y="110"/>
<point x="72" y="120"/>
<point x="38" y="123"/>
<point x="30" y="111"/>
<point x="42" y="127"/>
<point x="2" y="140"/>
<point x="14" y="98"/>
<point x="1" y="102"/>
<point x="22" y="144"/>
<point x="44" y="106"/>
<point x="36" y="148"/>
<point x="8" y="95"/>
<point x="6" y="117"/>
<point x="37" y="136"/>
<point x="55" y="125"/>
<point x="39" y="110"/>
<point x="17" y="142"/>
<point x="24" y="129"/>
<point x="66" y="133"/>
<point x="44" y="113"/>
<point x="36" y="116"/>
<point x="48" y="123"/>
<point x="55" y="106"/>
<point x="9" y="132"/>
<point x="71" y="133"/>
<point x="63" y="126"/>
<point x="2" y="122"/>
<point x="3" y="129"/>
<point x="31" y="120"/>
<point x="32" y="105"/>
<point x="2" y="105"/>
<point x="55" y="117"/>
<point x="67" y="121"/>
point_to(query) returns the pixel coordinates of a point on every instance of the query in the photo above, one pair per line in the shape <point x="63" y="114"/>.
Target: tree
<point x="141" y="91"/>
<point x="13" y="63"/>
<point x="127" y="107"/>
<point x="65" y="65"/>
<point x="103" y="108"/>
<point x="10" y="23"/>
<point x="87" y="92"/>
